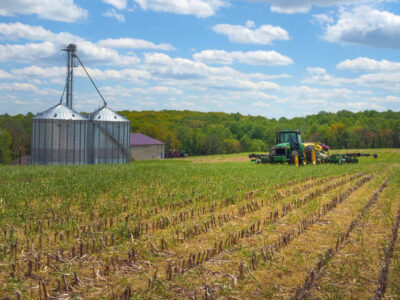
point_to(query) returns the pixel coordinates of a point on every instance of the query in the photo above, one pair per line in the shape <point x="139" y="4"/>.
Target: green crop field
<point x="215" y="227"/>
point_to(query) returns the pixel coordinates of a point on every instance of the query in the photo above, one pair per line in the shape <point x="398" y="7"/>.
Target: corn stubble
<point x="139" y="231"/>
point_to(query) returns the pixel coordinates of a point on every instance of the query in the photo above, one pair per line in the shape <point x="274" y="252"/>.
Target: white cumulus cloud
<point x="303" y="6"/>
<point x="112" y="13"/>
<point x="365" y="25"/>
<point x="130" y="75"/>
<point x="360" y="106"/>
<point x="384" y="80"/>
<point x="320" y="76"/>
<point x="57" y="74"/>
<point x="261" y="104"/>
<point x="185" y="73"/>
<point x="389" y="81"/>
<point x="129" y="43"/>
<point x="199" y="8"/>
<point x="5" y="75"/>
<point x="164" y="90"/>
<point x="323" y="19"/>
<point x="48" y="51"/>
<point x="214" y="57"/>
<point x="60" y="10"/>
<point x="269" y="58"/>
<point x="16" y="31"/>
<point x="391" y="99"/>
<point x="119" y="4"/>
<point x="18" y="87"/>
<point x="36" y="71"/>
<point x="27" y="52"/>
<point x="263" y="35"/>
<point x="250" y="24"/>
<point x="368" y="64"/>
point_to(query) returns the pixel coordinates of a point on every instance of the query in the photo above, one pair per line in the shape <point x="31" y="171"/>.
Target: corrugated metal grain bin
<point x="108" y="136"/>
<point x="59" y="136"/>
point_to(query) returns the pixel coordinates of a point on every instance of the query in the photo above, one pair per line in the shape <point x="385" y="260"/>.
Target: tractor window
<point x="288" y="137"/>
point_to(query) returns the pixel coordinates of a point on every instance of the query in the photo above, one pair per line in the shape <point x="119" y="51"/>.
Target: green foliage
<point x="257" y="145"/>
<point x="231" y="146"/>
<point x="201" y="133"/>
<point x="19" y="128"/>
<point x="5" y="146"/>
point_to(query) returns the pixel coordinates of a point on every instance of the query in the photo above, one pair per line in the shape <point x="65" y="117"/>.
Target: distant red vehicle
<point x="174" y="153"/>
<point x="325" y="147"/>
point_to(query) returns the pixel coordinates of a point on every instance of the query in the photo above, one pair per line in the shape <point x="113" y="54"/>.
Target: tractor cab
<point x="290" y="138"/>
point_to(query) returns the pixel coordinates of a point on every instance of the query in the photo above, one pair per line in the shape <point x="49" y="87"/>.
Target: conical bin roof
<point x="60" y="112"/>
<point x="107" y="114"/>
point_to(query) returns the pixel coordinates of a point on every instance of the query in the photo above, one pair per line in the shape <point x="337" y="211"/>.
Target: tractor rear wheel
<point x="311" y="154"/>
<point x="294" y="158"/>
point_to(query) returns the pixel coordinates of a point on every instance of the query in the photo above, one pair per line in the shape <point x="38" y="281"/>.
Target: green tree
<point x="5" y="147"/>
<point x="204" y="133"/>
<point x="245" y="141"/>
<point x="257" y="146"/>
<point x="338" y="135"/>
<point x="211" y="145"/>
<point x="214" y="135"/>
<point x="185" y="136"/>
<point x="386" y="138"/>
<point x="231" y="146"/>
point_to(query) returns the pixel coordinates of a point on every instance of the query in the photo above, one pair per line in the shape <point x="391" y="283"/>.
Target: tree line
<point x="204" y="133"/>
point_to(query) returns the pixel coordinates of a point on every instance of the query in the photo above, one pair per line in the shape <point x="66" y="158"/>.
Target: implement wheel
<point x="272" y="153"/>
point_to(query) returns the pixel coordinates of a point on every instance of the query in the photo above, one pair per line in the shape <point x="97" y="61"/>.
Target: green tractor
<point x="290" y="149"/>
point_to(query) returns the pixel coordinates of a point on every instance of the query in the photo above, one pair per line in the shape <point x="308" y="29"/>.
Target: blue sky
<point x="260" y="57"/>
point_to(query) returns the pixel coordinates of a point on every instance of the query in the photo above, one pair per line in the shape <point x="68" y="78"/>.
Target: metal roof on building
<point x="139" y="139"/>
<point x="107" y="114"/>
<point x="59" y="112"/>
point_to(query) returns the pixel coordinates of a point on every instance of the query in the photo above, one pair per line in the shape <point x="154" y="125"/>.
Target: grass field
<point x="201" y="228"/>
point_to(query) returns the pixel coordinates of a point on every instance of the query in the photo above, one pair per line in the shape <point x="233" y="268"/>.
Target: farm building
<point x="144" y="147"/>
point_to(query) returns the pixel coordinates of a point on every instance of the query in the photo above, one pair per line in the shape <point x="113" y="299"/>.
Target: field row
<point x="286" y="232"/>
<point x="94" y="246"/>
<point x="300" y="262"/>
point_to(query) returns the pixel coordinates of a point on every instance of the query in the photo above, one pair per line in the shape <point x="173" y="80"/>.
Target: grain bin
<point x="59" y="136"/>
<point x="108" y="137"/>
